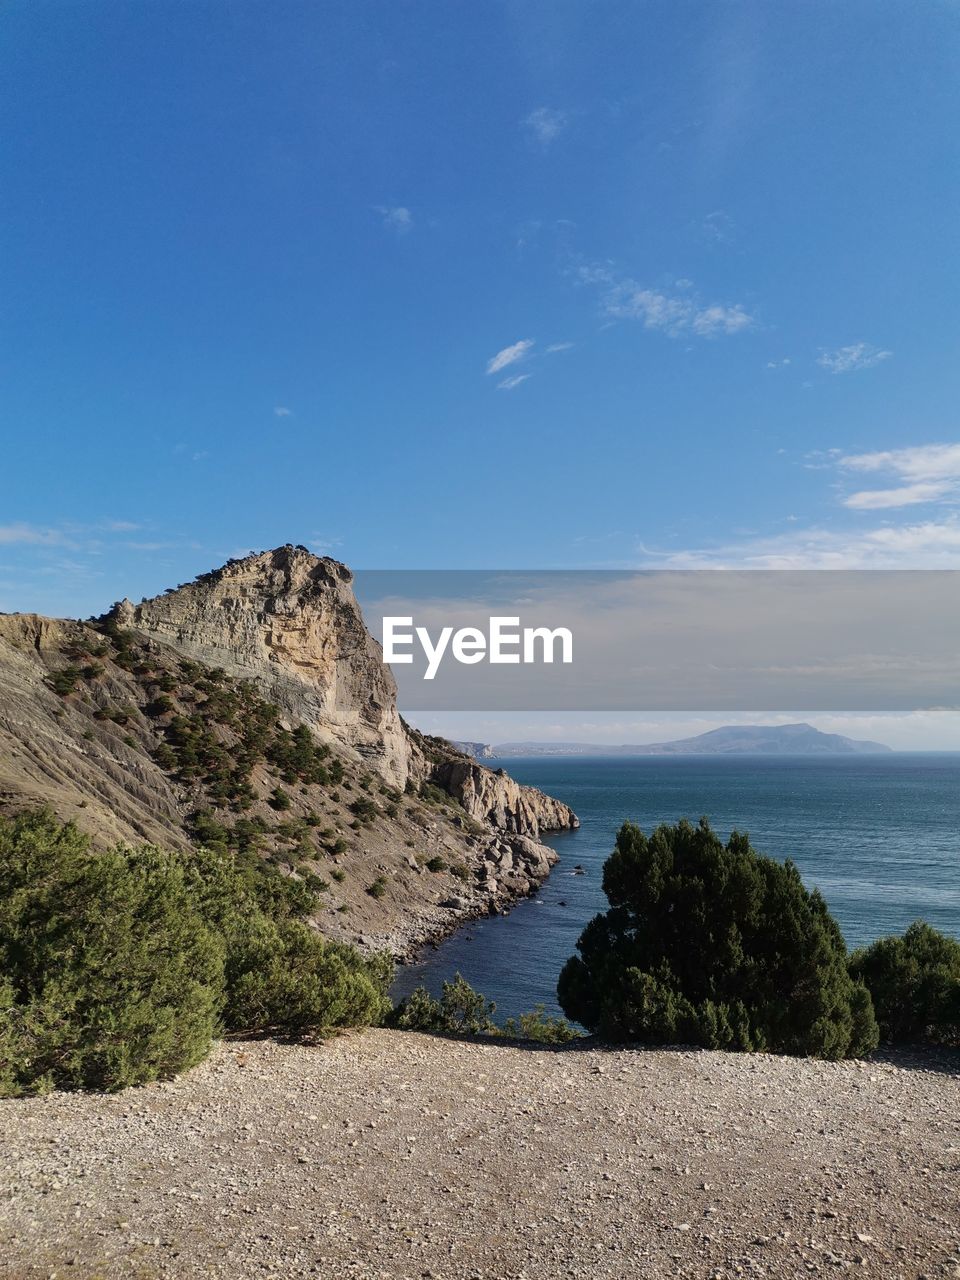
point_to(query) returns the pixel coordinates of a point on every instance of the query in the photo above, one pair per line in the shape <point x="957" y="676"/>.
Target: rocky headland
<point x="251" y="708"/>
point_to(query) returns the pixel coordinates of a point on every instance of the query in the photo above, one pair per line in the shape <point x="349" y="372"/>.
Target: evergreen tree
<point x="914" y="981"/>
<point x="714" y="945"/>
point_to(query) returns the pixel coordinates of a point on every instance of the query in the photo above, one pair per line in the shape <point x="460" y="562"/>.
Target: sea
<point x="878" y="835"/>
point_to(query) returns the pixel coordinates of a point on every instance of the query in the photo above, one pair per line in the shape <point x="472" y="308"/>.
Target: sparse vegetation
<point x="461" y="1011"/>
<point x="378" y="888"/>
<point x="279" y="799"/>
<point x="64" y="681"/>
<point x="540" y="1027"/>
<point x="364" y="809"/>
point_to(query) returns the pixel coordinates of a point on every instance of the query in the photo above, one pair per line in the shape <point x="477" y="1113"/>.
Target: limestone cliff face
<point x="290" y="621"/>
<point x="492" y="796"/>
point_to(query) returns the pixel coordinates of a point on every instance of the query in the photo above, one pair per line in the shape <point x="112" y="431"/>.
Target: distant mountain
<point x="746" y="739"/>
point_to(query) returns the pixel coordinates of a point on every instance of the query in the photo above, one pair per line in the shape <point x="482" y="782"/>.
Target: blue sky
<point x="501" y="284"/>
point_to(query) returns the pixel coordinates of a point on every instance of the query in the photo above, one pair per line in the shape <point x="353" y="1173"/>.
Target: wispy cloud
<point x="545" y="125"/>
<point x="929" y="473"/>
<point x="554" y="347"/>
<point x="510" y="355"/>
<point x="322" y="546"/>
<point x="30" y="535"/>
<point x="281" y="411"/>
<point x="859" y="355"/>
<point x="717" y="227"/>
<point x="396" y="217"/>
<point x="778" y="364"/>
<point x="508" y="384"/>
<point x="929" y="544"/>
<point x="676" y="314"/>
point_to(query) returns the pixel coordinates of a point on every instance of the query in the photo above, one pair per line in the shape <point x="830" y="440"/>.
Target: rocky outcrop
<point x="289" y="620"/>
<point x="492" y="796"/>
<point x="95" y="719"/>
<point x="476" y="750"/>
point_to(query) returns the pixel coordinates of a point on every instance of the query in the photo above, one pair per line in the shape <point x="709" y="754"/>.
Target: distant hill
<point x="747" y="739"/>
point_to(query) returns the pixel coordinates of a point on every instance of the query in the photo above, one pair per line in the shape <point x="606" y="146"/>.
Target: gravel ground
<point x="389" y="1154"/>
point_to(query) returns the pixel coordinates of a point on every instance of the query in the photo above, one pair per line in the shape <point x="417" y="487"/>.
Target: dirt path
<point x="396" y="1155"/>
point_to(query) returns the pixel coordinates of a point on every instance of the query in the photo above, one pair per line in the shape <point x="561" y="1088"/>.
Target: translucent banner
<point x="667" y="640"/>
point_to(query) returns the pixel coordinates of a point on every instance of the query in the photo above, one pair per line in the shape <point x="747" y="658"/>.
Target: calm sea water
<point x="878" y="835"/>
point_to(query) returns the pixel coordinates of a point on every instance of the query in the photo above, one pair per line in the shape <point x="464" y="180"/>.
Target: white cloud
<point x="510" y="355"/>
<point x="925" y="545"/>
<point x="671" y="313"/>
<point x="778" y="364"/>
<point x="859" y="355"/>
<point x="544" y="125"/>
<point x="929" y="472"/>
<point x="714" y="320"/>
<point x="30" y="535"/>
<point x="559" y="346"/>
<point x="281" y="411"/>
<point x="396" y="217"/>
<point x="905" y="496"/>
<point x="509" y="383"/>
<point x="916" y="462"/>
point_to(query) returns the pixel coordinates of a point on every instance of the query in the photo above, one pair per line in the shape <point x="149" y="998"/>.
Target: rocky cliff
<point x="251" y="709"/>
<point x="290" y="621"/>
<point x="492" y="796"/>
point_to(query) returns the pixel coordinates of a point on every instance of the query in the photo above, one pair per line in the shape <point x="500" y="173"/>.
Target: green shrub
<point x="459" y="1011"/>
<point x="64" y="682"/>
<point x="435" y="864"/>
<point x="112" y="976"/>
<point x="540" y="1027"/>
<point x="712" y="944"/>
<point x="431" y="794"/>
<point x="378" y="888"/>
<point x="914" y="982"/>
<point x="120" y="967"/>
<point x="364" y="809"/>
<point x="279" y="799"/>
<point x="296" y="983"/>
<point x="460" y="870"/>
